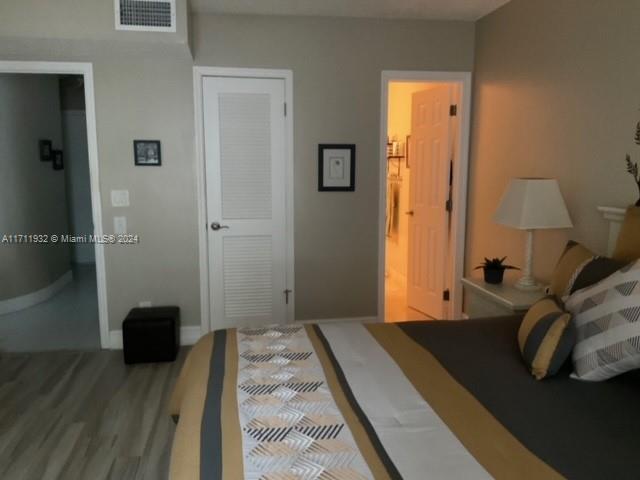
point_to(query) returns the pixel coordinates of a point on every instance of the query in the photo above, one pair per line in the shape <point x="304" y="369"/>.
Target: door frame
<point x="460" y="180"/>
<point x="86" y="70"/>
<point x="199" y="73"/>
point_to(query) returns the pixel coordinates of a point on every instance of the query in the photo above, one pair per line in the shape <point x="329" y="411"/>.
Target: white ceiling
<point x="406" y="9"/>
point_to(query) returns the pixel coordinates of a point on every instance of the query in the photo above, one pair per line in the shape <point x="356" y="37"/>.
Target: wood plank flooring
<point x="84" y="415"/>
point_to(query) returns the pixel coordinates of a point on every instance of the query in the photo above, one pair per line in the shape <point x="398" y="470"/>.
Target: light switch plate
<point x="120" y="225"/>
<point x="144" y="304"/>
<point x="120" y="198"/>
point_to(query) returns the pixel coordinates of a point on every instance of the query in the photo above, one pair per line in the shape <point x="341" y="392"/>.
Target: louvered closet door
<point x="245" y="173"/>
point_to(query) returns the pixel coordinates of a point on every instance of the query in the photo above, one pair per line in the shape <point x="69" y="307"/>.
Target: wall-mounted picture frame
<point x="147" y="153"/>
<point x="58" y="159"/>
<point x="336" y="167"/>
<point x="45" y="148"/>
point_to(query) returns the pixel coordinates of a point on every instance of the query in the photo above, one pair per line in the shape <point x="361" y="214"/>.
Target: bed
<point x="419" y="400"/>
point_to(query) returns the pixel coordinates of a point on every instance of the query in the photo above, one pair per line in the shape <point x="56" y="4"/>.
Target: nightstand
<point x="482" y="299"/>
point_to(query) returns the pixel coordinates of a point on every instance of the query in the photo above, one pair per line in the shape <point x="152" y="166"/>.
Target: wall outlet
<point x="120" y="198"/>
<point x="119" y="225"/>
<point x="144" y="304"/>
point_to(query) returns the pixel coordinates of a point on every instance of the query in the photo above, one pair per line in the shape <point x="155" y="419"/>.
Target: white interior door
<point x="244" y="133"/>
<point x="428" y="194"/>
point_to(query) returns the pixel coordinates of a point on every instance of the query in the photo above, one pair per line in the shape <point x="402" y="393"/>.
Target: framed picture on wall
<point x="147" y="153"/>
<point x="58" y="160"/>
<point x="45" y="150"/>
<point x="336" y="167"/>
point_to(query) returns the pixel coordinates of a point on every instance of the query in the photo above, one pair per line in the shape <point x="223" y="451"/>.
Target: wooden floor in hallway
<point x="84" y="415"/>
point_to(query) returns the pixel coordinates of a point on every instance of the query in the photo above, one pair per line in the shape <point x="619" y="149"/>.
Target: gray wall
<point x="337" y="65"/>
<point x="78" y="20"/>
<point x="76" y="169"/>
<point x="556" y="94"/>
<point x="148" y="94"/>
<point x="32" y="194"/>
<point x="144" y="89"/>
<point x="72" y="92"/>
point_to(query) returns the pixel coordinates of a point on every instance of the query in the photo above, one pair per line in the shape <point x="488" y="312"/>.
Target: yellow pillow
<point x="628" y="245"/>
<point x="574" y="257"/>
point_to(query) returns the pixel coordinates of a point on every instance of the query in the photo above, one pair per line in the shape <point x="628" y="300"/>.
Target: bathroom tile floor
<point x="395" y="306"/>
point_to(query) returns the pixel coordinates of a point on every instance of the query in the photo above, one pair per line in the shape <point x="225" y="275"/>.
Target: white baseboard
<point x="342" y="320"/>
<point x="188" y="336"/>
<point x="30" y="299"/>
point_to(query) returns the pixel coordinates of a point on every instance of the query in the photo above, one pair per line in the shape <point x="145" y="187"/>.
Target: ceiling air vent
<point x="146" y="15"/>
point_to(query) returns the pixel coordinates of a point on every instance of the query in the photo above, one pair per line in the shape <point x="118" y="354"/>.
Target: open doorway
<point x="423" y="192"/>
<point x="51" y="280"/>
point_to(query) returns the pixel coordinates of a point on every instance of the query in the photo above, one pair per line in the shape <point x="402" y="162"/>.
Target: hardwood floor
<point x="84" y="415"/>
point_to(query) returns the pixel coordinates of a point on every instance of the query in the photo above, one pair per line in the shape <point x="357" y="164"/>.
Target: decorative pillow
<point x="607" y="320"/>
<point x="628" y="245"/>
<point x="592" y="272"/>
<point x="573" y="258"/>
<point x="579" y="268"/>
<point x="546" y="337"/>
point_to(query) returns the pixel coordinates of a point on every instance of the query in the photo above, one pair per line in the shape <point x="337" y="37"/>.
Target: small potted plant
<point x="494" y="269"/>
<point x="632" y="167"/>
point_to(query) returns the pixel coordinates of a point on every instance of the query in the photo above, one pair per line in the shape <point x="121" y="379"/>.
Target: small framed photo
<point x="336" y="168"/>
<point x="58" y="160"/>
<point x="45" y="150"/>
<point x="147" y="153"/>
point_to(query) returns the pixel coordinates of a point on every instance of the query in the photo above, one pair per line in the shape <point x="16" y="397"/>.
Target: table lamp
<point x="532" y="204"/>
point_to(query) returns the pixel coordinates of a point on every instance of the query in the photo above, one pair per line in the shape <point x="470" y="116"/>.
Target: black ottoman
<point x="151" y="335"/>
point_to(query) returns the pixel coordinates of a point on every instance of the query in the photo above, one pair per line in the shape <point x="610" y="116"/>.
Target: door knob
<point x="410" y="212"/>
<point x="216" y="226"/>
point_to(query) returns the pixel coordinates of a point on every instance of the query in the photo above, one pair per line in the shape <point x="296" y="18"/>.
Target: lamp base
<point x="527" y="284"/>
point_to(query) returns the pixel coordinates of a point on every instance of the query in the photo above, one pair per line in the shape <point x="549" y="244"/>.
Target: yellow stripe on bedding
<point x="358" y="431"/>
<point x="188" y="402"/>
<point x="492" y="445"/>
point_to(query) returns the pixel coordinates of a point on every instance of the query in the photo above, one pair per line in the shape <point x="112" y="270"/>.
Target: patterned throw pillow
<point x="578" y="268"/>
<point x="607" y="319"/>
<point x="546" y="337"/>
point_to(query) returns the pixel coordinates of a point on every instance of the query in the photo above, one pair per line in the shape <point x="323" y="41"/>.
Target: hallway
<point x="67" y="321"/>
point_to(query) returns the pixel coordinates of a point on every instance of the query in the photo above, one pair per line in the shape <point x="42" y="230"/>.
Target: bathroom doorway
<point x="422" y="171"/>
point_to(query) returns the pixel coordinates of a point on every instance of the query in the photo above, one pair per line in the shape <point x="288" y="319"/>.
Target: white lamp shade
<point x="533" y="203"/>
